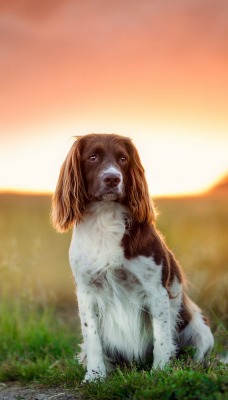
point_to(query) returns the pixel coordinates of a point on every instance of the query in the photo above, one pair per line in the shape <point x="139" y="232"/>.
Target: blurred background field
<point x="34" y="266"/>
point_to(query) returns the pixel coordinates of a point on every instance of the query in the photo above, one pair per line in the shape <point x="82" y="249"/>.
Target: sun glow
<point x="176" y="161"/>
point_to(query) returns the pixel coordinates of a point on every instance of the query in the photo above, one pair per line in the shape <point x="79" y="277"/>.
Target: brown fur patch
<point x="185" y="315"/>
<point x="142" y="239"/>
<point x="98" y="280"/>
<point x="205" y="320"/>
<point x="126" y="278"/>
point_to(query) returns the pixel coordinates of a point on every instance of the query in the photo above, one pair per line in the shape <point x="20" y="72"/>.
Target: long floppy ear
<point x="69" y="199"/>
<point x="138" y="197"/>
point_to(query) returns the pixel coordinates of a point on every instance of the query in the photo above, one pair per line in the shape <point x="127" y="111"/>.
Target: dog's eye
<point x="123" y="159"/>
<point x="93" y="157"/>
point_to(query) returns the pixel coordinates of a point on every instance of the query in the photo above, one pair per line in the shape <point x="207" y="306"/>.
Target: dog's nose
<point x="111" y="179"/>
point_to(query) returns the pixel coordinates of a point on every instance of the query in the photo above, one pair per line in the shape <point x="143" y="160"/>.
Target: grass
<point x="175" y="382"/>
<point x="39" y="327"/>
<point x="34" y="342"/>
<point x="37" y="346"/>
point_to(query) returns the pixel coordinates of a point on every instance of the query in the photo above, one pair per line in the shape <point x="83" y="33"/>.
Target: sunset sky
<point x="156" y="71"/>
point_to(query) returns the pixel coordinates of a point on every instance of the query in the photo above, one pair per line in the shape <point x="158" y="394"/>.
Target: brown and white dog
<point x="130" y="288"/>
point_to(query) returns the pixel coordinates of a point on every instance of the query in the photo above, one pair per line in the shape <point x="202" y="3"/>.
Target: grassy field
<point x="39" y="327"/>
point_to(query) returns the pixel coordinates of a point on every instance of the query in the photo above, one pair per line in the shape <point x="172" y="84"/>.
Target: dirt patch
<point x="35" y="392"/>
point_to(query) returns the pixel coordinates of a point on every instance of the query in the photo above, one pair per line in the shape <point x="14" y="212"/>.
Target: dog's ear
<point x="69" y="199"/>
<point x="139" y="200"/>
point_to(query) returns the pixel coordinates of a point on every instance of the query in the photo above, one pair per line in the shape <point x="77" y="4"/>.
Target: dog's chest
<point x="100" y="269"/>
<point x="96" y="242"/>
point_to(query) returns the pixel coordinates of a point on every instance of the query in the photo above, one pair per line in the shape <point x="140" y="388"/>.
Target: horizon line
<point x="38" y="193"/>
<point x="196" y="193"/>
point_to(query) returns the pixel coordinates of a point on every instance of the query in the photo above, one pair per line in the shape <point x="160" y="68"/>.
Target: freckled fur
<point x="130" y="289"/>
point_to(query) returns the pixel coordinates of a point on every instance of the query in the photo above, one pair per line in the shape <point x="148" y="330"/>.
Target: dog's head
<point x="100" y="167"/>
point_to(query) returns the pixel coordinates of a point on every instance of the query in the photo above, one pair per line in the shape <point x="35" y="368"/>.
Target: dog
<point x="131" y="293"/>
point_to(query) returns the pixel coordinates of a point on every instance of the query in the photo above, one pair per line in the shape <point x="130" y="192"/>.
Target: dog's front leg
<point x="164" y="347"/>
<point x="89" y="322"/>
<point x="157" y="301"/>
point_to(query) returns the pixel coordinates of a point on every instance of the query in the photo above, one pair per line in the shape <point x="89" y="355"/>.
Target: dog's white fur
<point x="125" y="314"/>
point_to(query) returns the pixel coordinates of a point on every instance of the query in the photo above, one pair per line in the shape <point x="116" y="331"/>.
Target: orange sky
<point x="156" y="71"/>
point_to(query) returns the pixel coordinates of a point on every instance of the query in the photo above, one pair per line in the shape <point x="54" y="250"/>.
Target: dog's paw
<point x="159" y="364"/>
<point x="95" y="374"/>
<point x="161" y="361"/>
<point x="163" y="354"/>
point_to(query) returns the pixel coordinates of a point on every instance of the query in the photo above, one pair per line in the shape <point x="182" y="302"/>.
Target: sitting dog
<point x="130" y="289"/>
